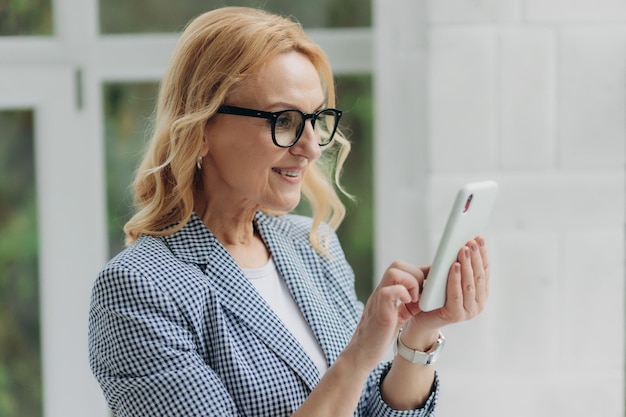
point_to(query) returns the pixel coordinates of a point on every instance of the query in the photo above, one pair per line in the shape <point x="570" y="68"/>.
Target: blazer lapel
<point x="257" y="315"/>
<point x="290" y="257"/>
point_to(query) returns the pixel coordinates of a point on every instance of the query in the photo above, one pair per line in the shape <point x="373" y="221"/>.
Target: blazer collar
<point x="194" y="243"/>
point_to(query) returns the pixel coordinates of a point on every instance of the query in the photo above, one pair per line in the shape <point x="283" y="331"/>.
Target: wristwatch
<point x="416" y="356"/>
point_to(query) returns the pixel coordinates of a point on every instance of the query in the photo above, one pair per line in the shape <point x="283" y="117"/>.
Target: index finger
<point x="406" y="274"/>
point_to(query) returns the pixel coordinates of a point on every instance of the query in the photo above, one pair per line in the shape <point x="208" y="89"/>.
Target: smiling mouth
<point x="287" y="172"/>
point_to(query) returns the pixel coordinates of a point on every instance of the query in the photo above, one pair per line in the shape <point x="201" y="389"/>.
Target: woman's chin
<point x="284" y="207"/>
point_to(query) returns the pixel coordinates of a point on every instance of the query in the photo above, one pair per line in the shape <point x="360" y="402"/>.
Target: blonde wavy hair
<point x="217" y="51"/>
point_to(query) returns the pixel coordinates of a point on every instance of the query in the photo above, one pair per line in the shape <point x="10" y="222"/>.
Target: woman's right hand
<point x="385" y="313"/>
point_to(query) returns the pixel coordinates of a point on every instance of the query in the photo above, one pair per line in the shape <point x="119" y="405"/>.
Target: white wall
<point x="533" y="94"/>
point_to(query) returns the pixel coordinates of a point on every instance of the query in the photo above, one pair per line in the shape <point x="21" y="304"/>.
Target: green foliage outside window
<point x="25" y="17"/>
<point x="142" y="16"/>
<point x="20" y="362"/>
<point x="356" y="233"/>
<point x="127" y="107"/>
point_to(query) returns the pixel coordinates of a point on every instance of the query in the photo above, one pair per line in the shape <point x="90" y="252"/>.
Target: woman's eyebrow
<point x="281" y="105"/>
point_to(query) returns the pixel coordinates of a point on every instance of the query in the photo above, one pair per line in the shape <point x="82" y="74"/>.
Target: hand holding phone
<point x="468" y="217"/>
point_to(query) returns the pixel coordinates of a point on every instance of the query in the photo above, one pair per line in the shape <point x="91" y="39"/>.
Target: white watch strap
<point x="416" y="356"/>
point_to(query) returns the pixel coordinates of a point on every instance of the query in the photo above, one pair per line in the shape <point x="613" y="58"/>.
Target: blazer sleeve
<point x="142" y="354"/>
<point x="374" y="405"/>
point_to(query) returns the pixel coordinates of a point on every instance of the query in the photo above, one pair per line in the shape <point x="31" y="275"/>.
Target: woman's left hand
<point x="466" y="293"/>
<point x="408" y="387"/>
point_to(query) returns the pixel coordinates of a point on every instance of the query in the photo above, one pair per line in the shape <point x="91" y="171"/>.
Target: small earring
<point x="199" y="162"/>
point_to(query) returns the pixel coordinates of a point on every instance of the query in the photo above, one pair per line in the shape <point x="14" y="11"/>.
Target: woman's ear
<point x="204" y="148"/>
<point x="206" y="134"/>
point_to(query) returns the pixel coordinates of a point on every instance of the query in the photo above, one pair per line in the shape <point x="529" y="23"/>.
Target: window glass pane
<point x="25" y="17"/>
<point x="20" y="359"/>
<point x="141" y="16"/>
<point x="129" y="105"/>
<point x="354" y="97"/>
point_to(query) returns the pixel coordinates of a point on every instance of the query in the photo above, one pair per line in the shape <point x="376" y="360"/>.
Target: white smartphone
<point x="467" y="219"/>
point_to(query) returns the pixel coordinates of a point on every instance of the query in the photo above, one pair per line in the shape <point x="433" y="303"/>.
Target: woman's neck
<point x="235" y="230"/>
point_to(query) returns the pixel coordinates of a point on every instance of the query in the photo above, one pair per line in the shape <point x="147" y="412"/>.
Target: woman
<point x="224" y="304"/>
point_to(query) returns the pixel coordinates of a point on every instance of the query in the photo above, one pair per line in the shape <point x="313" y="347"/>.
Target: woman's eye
<point x="284" y="122"/>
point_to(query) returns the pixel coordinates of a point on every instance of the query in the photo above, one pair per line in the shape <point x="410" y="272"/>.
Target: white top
<point x="273" y="289"/>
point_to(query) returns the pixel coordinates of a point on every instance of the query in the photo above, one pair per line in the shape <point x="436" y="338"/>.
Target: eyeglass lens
<point x="289" y="125"/>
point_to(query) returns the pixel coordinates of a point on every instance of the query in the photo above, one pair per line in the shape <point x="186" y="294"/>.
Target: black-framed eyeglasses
<point x="288" y="125"/>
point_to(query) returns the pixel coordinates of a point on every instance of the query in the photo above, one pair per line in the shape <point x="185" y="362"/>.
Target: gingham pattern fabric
<point x="175" y="329"/>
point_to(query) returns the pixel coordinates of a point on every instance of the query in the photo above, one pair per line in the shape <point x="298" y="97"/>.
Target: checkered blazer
<point x="175" y="329"/>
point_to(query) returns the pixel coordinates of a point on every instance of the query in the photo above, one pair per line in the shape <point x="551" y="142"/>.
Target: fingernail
<point x="467" y="253"/>
<point x="457" y="268"/>
<point x="474" y="246"/>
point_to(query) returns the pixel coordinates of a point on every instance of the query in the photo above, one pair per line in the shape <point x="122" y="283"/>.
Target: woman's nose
<point x="308" y="145"/>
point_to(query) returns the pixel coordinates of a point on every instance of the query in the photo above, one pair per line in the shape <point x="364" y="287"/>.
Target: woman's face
<point x="242" y="168"/>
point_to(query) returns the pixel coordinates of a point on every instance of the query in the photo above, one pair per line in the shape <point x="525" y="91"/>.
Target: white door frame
<point x="70" y="234"/>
